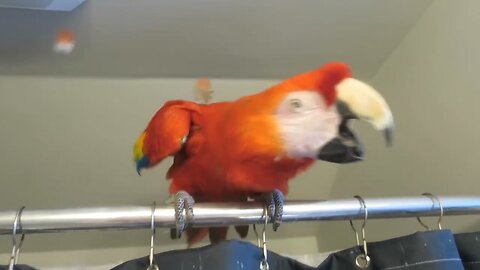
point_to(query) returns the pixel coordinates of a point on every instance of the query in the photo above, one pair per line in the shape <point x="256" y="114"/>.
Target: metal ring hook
<point x="16" y="250"/>
<point x="363" y="205"/>
<point x="264" y="262"/>
<point x="362" y="260"/>
<point x="258" y="236"/>
<point x="152" y="265"/>
<point x="441" y="211"/>
<point x="259" y="244"/>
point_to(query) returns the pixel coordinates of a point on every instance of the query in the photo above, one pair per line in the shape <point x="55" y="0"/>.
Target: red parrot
<point x="229" y="151"/>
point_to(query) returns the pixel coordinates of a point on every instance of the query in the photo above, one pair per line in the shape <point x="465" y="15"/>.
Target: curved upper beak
<point x="357" y="100"/>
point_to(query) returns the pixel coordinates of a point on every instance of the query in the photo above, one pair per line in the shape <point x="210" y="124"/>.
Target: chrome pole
<point x="220" y="214"/>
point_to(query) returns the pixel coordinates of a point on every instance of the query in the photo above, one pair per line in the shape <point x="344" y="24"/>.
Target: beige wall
<point x="431" y="81"/>
<point x="67" y="143"/>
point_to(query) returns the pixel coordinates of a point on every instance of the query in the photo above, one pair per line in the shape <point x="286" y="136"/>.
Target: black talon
<point x="183" y="213"/>
<point x="279" y="200"/>
<point x="274" y="201"/>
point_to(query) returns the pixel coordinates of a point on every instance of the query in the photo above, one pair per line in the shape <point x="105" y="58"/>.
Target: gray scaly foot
<point x="275" y="201"/>
<point x="183" y="204"/>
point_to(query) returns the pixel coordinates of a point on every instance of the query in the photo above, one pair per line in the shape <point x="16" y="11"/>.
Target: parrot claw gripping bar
<point x="275" y="201"/>
<point x="183" y="212"/>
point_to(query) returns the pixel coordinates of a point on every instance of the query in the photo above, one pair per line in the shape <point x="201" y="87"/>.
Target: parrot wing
<point x="165" y="134"/>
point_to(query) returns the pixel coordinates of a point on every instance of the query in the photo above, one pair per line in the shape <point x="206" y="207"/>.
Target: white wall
<point x="68" y="143"/>
<point x="431" y="81"/>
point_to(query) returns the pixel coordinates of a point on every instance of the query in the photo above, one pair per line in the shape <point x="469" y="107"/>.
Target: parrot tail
<point x="242" y="230"/>
<point x="195" y="235"/>
<point x="216" y="234"/>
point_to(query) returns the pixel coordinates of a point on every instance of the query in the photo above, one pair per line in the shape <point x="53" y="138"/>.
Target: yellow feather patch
<point x="138" y="148"/>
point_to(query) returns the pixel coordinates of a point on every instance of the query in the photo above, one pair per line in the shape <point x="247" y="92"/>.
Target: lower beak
<point x="345" y="148"/>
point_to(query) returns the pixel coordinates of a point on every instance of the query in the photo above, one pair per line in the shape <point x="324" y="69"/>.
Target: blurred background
<point x="79" y="80"/>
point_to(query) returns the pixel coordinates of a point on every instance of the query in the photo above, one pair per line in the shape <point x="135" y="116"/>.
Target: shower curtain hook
<point x="17" y="224"/>
<point x="152" y="265"/>
<point x="264" y="262"/>
<point x="355" y="231"/>
<point x="362" y="260"/>
<point x="259" y="244"/>
<point x="434" y="198"/>
<point x="362" y="204"/>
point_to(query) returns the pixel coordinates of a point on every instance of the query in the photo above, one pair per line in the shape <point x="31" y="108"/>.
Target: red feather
<point x="233" y="149"/>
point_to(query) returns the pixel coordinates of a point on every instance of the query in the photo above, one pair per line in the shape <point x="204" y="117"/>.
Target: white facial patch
<point x="306" y="123"/>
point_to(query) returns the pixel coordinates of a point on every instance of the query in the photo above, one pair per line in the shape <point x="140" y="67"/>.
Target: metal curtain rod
<point x="219" y="214"/>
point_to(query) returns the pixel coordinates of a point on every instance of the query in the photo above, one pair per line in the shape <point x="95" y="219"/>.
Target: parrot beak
<point x="345" y="148"/>
<point x="357" y="100"/>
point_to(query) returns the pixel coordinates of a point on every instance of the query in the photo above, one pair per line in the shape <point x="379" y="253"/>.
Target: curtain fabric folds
<point x="430" y="250"/>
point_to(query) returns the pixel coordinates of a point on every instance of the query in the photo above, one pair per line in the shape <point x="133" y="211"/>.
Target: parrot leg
<point x="183" y="213"/>
<point x="275" y="201"/>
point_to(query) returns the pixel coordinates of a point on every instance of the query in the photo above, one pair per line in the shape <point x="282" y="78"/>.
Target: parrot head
<point x="315" y="108"/>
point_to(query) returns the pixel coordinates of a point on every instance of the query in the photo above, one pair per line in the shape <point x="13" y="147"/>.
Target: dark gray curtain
<point x="226" y="255"/>
<point x="468" y="245"/>
<point x="431" y="250"/>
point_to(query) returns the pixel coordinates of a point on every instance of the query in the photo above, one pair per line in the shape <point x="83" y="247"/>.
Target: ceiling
<point x="215" y="38"/>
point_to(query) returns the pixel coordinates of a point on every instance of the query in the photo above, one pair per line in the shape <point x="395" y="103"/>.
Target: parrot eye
<point x="295" y="103"/>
